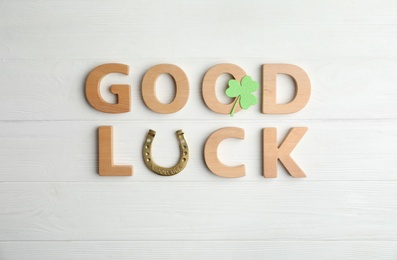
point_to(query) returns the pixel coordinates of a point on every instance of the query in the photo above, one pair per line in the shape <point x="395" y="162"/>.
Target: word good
<point x="148" y="88"/>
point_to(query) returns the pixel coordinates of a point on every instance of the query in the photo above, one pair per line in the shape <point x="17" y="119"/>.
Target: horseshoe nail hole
<point x="148" y="140"/>
<point x="148" y="159"/>
<point x="182" y="141"/>
<point x="147" y="154"/>
<point x="147" y="146"/>
<point x="184" y="146"/>
<point x="183" y="159"/>
<point x="185" y="153"/>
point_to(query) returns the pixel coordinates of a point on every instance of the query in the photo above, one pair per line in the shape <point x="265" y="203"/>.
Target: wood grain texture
<point x="148" y="87"/>
<point x="54" y="90"/>
<point x="67" y="151"/>
<point x="273" y="211"/>
<point x="54" y="205"/>
<point x="105" y="155"/>
<point x="277" y="30"/>
<point x="209" y="87"/>
<point x="272" y="152"/>
<point x="211" y="157"/>
<point x="287" y="250"/>
<point x="122" y="92"/>
<point x="302" y="89"/>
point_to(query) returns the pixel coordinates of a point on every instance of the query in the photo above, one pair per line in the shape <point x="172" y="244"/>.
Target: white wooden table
<point x="54" y="205"/>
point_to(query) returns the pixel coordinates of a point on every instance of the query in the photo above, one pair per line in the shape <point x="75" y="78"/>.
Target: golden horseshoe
<point x="151" y="165"/>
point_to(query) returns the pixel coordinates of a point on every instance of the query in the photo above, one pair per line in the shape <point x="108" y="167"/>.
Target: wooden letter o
<point x="209" y="84"/>
<point x="149" y="88"/>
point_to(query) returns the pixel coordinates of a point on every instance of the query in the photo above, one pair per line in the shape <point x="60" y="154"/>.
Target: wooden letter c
<point x="211" y="153"/>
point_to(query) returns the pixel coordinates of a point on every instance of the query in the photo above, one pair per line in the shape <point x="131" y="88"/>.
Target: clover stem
<point x="234" y="106"/>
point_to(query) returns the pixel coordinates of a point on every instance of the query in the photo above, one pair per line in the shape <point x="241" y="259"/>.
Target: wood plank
<point x="55" y="206"/>
<point x="274" y="211"/>
<point x="54" y="90"/>
<point x="67" y="151"/>
<point x="115" y="30"/>
<point x="80" y="250"/>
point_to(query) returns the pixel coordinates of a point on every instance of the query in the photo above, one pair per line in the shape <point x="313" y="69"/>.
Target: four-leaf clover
<point x="242" y="92"/>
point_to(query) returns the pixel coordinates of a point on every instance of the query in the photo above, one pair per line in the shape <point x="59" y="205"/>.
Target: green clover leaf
<point x="242" y="92"/>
